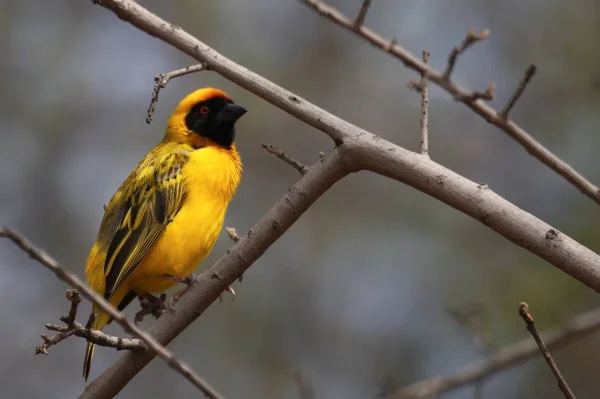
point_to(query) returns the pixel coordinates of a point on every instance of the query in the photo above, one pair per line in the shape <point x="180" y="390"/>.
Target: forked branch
<point x="460" y="94"/>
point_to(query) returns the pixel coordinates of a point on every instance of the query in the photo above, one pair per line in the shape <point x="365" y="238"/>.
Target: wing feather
<point x="153" y="194"/>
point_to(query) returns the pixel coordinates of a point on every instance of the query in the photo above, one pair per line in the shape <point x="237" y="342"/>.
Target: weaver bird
<point x="167" y="215"/>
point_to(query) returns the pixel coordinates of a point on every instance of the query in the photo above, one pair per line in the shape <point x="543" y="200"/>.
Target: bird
<point x="166" y="216"/>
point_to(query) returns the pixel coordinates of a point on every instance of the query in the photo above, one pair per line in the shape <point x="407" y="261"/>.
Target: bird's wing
<point x="150" y="198"/>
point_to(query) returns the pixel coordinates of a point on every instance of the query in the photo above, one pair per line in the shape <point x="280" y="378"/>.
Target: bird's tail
<point x="87" y="362"/>
<point x="101" y="320"/>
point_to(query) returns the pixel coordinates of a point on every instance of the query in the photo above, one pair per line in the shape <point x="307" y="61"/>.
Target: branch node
<point x="551" y="234"/>
<point x="519" y="91"/>
<point x="487" y="95"/>
<point x="161" y="80"/>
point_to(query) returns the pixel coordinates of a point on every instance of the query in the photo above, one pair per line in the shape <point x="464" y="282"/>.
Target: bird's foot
<point x="150" y="305"/>
<point x="188" y="281"/>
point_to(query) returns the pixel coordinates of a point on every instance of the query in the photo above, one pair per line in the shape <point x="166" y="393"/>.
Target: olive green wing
<point x="149" y="199"/>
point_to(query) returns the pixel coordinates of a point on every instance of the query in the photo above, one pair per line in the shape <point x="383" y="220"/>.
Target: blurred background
<point x="355" y="298"/>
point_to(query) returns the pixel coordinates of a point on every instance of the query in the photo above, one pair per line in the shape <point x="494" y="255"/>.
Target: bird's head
<point x="203" y="118"/>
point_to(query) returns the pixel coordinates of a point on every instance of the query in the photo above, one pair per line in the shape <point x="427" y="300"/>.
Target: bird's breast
<point x="211" y="179"/>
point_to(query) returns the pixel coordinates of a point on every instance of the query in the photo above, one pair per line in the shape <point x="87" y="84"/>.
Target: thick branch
<point x="87" y="292"/>
<point x="460" y="94"/>
<point x="505" y="358"/>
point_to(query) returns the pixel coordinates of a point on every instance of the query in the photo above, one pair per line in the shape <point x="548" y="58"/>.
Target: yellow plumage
<point x="167" y="215"/>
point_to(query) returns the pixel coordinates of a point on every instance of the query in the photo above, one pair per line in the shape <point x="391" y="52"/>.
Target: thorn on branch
<point x="286" y="158"/>
<point x="519" y="91"/>
<point x="360" y="19"/>
<point x="487" y="95"/>
<point x="529" y="322"/>
<point x="161" y="80"/>
<point x="232" y="233"/>
<point x="470" y="39"/>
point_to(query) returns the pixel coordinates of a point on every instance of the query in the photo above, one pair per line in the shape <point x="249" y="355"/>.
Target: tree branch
<point x="362" y="14"/>
<point x="529" y="322"/>
<point x="579" y="327"/>
<point x="460" y="94"/>
<point x="72" y="327"/>
<point x="424" y="109"/>
<point x="519" y="91"/>
<point x="88" y="293"/>
<point x="355" y="150"/>
<point x="161" y="80"/>
<point x="285" y="158"/>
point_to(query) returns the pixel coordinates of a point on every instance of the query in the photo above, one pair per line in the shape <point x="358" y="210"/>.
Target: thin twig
<point x="528" y="319"/>
<point x="470" y="39"/>
<point x="509" y="356"/>
<point x="519" y="91"/>
<point x="161" y="80"/>
<point x="95" y="336"/>
<point x="424" y="109"/>
<point x="460" y="94"/>
<point x="74" y="281"/>
<point x="360" y="19"/>
<point x="286" y="158"/>
<point x="74" y="298"/>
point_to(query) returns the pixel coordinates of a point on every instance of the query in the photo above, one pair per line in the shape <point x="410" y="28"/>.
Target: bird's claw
<point x="188" y="281"/>
<point x="150" y="305"/>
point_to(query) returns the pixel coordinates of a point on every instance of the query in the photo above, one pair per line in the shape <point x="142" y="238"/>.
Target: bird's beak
<point x="231" y="113"/>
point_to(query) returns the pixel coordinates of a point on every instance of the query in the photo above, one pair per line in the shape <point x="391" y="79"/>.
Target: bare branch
<point x="87" y="292"/>
<point x="161" y="80"/>
<point x="519" y="91"/>
<point x="364" y="8"/>
<point x="424" y="109"/>
<point x="356" y="149"/>
<point x="579" y="327"/>
<point x="528" y="319"/>
<point x="97" y="337"/>
<point x="470" y="39"/>
<point x="285" y="158"/>
<point x="460" y="94"/>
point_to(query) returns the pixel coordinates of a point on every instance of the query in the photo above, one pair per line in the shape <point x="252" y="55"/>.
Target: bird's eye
<point x="204" y="110"/>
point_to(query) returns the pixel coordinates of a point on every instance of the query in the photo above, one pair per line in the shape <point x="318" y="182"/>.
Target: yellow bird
<point x="167" y="215"/>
